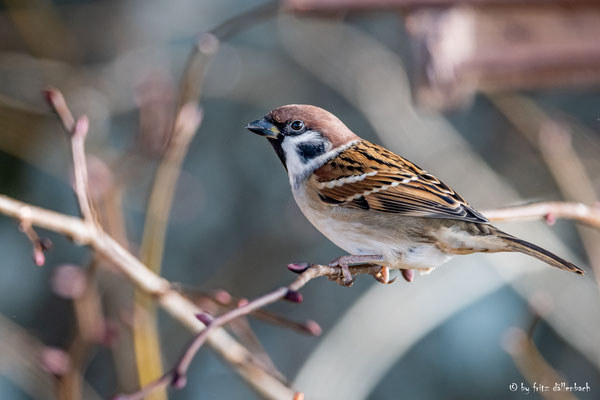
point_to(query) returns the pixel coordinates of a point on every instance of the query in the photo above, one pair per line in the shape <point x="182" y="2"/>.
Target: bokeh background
<point x="500" y="103"/>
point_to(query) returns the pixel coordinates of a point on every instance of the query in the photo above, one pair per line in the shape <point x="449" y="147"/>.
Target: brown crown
<point x="315" y="119"/>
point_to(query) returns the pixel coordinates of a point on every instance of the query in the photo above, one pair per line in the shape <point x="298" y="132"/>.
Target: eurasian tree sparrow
<point x="376" y="205"/>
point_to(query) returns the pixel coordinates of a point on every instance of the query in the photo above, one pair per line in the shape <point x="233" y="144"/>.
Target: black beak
<point x="263" y="127"/>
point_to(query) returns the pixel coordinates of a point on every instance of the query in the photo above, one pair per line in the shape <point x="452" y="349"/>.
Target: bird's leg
<point x="344" y="261"/>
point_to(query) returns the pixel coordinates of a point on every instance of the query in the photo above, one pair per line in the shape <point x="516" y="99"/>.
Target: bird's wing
<point x="367" y="176"/>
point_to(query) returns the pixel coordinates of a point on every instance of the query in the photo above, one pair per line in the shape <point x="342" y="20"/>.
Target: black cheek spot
<point x="310" y="150"/>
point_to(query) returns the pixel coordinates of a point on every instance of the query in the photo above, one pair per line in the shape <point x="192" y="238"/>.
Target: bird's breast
<point x="364" y="232"/>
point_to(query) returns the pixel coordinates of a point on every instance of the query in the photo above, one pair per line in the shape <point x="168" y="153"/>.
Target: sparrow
<point x="376" y="205"/>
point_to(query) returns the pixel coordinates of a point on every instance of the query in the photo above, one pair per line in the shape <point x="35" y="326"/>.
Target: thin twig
<point x="39" y="245"/>
<point x="57" y="101"/>
<point x="82" y="189"/>
<point x="171" y="301"/>
<point x="178" y="306"/>
<point x="177" y="377"/>
<point x="308" y="327"/>
<point x="588" y="215"/>
<point x="225" y="300"/>
<point x="77" y="131"/>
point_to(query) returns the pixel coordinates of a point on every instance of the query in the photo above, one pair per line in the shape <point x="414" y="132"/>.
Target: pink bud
<point x="293" y="296"/>
<point x="408" y="274"/>
<point x="313" y="328"/>
<point x="38" y="257"/>
<point x="179" y="380"/>
<point x="205" y="318"/>
<point x="298" y="268"/>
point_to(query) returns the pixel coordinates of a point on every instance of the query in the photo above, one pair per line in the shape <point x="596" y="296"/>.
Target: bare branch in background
<point x="152" y="285"/>
<point x="57" y="101"/>
<point x="77" y="131"/>
<point x="145" y="333"/>
<point x="227" y="301"/>
<point x="549" y="211"/>
<point x="82" y="187"/>
<point x="208" y="44"/>
<point x="245" y="358"/>
<point x="25" y="360"/>
<point x="177" y="377"/>
<point x="174" y="303"/>
<point x="531" y="364"/>
<point x="554" y="140"/>
<point x="473" y="48"/>
<point x="187" y="121"/>
<point x="328" y="6"/>
<point x="79" y="285"/>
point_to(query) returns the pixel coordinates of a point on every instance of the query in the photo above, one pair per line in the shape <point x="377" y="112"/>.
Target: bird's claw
<point x="383" y="276"/>
<point x="346" y="279"/>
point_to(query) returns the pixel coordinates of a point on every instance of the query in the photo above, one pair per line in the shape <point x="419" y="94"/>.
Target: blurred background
<point x="500" y="102"/>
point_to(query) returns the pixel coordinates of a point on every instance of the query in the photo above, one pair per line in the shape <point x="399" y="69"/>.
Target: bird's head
<point x="304" y="137"/>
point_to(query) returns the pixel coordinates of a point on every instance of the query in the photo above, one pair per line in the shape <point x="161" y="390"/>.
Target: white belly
<point x="358" y="238"/>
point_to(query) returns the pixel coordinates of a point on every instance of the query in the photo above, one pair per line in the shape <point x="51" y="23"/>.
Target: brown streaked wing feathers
<point x="397" y="186"/>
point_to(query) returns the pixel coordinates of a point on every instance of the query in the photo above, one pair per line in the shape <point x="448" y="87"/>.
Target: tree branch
<point x="550" y="211"/>
<point x="187" y="121"/>
<point x="177" y="376"/>
<point x="172" y="302"/>
<point x="185" y="311"/>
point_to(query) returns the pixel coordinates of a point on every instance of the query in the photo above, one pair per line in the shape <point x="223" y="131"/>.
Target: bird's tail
<point x="522" y="246"/>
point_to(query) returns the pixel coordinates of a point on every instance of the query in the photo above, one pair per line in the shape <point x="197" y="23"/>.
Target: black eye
<point x="297" y="125"/>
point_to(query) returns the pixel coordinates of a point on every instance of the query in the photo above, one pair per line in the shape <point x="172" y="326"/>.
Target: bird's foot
<point x="344" y="261"/>
<point x="345" y="278"/>
<point x="383" y="276"/>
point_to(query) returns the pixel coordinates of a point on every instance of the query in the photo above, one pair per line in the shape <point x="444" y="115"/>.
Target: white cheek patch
<point x="290" y="147"/>
<point x="299" y="168"/>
